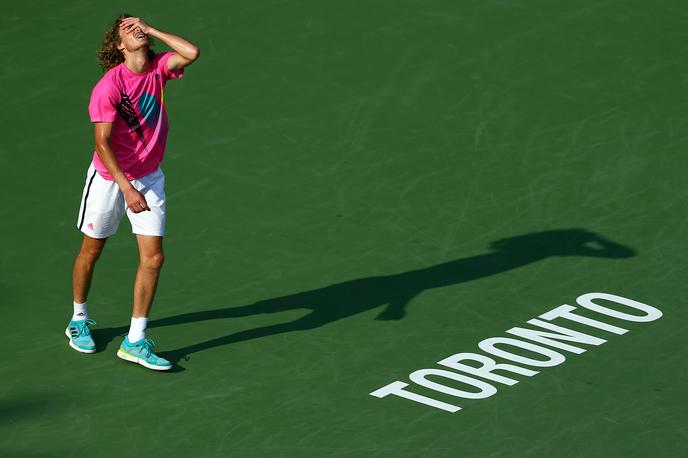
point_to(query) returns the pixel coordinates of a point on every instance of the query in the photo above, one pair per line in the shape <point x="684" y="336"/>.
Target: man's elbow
<point x="102" y="145"/>
<point x="194" y="54"/>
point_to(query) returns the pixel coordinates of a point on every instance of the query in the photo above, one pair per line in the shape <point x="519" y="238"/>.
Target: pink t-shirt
<point x="135" y="104"/>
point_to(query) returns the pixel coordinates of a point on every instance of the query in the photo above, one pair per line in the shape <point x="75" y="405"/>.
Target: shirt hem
<point x="128" y="175"/>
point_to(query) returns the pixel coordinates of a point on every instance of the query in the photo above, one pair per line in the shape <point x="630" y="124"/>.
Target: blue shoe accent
<point x="141" y="352"/>
<point x="79" y="335"/>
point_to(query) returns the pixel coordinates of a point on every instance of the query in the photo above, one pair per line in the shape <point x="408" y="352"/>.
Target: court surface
<point x="356" y="190"/>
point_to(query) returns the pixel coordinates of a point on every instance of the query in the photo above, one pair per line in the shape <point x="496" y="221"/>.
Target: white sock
<point x="80" y="312"/>
<point x="137" y="330"/>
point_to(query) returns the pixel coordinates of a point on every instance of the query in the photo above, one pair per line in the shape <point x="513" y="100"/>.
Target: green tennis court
<point x="356" y="191"/>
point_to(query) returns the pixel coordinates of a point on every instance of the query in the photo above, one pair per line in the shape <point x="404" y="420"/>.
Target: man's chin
<point x="143" y="41"/>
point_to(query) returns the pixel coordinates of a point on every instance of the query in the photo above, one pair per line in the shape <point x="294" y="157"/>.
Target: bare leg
<point x="83" y="267"/>
<point x="151" y="258"/>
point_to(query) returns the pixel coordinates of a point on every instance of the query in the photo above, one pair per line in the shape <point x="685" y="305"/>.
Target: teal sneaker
<point x="141" y="352"/>
<point x="79" y="336"/>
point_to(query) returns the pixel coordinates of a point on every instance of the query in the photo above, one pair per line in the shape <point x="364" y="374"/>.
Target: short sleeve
<point x="162" y="67"/>
<point x="103" y="104"/>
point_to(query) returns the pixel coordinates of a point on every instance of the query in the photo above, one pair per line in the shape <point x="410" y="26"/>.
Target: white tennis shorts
<point x="103" y="206"/>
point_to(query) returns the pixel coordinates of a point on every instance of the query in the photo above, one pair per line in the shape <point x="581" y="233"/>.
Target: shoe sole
<point x="127" y="357"/>
<point x="71" y="344"/>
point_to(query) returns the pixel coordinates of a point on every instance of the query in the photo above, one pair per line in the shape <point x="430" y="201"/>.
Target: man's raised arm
<point x="185" y="51"/>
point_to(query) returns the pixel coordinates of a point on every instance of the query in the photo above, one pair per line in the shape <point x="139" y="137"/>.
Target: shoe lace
<point x="148" y="346"/>
<point x="83" y="328"/>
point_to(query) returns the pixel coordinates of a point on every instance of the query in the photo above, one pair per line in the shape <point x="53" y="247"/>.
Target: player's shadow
<point x="395" y="291"/>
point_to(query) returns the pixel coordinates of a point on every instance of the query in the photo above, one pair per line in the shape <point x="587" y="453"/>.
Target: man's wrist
<point x="124" y="187"/>
<point x="122" y="181"/>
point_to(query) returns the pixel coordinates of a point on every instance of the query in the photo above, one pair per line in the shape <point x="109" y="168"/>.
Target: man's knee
<point x="153" y="261"/>
<point x="90" y="253"/>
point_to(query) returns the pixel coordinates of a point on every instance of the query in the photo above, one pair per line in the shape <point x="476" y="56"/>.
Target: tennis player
<point x="127" y="109"/>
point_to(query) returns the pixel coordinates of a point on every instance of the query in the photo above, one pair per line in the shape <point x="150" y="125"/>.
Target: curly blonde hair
<point x="108" y="55"/>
